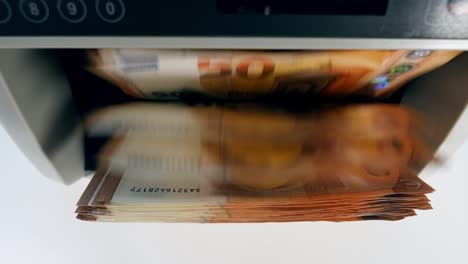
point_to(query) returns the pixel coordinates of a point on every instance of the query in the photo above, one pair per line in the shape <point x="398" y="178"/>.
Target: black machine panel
<point x="438" y="19"/>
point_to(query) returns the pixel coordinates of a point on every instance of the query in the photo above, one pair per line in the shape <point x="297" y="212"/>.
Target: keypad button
<point x="35" y="11"/>
<point x="73" y="11"/>
<point x="111" y="11"/>
<point x="5" y="11"/>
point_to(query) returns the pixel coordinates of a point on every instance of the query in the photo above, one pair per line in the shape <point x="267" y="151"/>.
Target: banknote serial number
<point x="165" y="190"/>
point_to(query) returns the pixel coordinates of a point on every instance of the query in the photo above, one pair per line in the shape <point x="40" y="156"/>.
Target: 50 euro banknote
<point x="169" y="74"/>
<point x="176" y="163"/>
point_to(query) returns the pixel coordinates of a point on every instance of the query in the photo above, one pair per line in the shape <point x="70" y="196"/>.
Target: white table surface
<point x="38" y="225"/>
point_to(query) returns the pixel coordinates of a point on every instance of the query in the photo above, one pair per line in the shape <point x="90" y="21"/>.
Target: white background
<point x="38" y="225"/>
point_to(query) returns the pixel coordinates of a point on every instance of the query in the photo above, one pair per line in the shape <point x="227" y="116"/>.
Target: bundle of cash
<point x="174" y="163"/>
<point x="170" y="74"/>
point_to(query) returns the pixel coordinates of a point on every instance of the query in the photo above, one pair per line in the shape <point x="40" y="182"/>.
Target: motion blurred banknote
<point x="175" y="163"/>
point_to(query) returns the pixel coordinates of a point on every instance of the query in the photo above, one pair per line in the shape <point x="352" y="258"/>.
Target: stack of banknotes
<point x="240" y="75"/>
<point x="247" y="163"/>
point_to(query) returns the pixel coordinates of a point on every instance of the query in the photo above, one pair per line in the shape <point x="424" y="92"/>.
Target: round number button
<point x="111" y="11"/>
<point x="5" y="11"/>
<point x="73" y="11"/>
<point x="35" y="11"/>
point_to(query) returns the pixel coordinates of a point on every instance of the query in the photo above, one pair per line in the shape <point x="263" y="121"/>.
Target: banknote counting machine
<point x="36" y="103"/>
